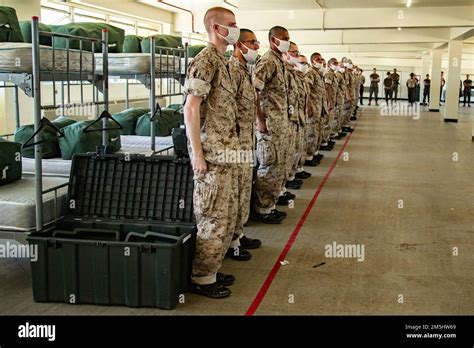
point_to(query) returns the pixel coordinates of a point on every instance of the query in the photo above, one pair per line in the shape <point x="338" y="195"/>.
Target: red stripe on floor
<point x="276" y="267"/>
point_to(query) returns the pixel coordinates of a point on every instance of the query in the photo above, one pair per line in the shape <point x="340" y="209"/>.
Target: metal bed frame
<point x="30" y="83"/>
<point x="148" y="81"/>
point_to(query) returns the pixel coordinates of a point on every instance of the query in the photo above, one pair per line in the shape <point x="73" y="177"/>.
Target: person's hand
<point x="199" y="164"/>
<point x="262" y="127"/>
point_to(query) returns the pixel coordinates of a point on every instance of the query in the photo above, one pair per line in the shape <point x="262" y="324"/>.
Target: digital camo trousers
<point x="216" y="209"/>
<point x="292" y="151"/>
<point x="245" y="194"/>
<point x="312" y="130"/>
<point x="271" y="173"/>
<point x="340" y="112"/>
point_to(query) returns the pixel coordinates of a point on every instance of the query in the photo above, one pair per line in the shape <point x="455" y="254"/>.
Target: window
<point x="54" y="17"/>
<point x="57" y="14"/>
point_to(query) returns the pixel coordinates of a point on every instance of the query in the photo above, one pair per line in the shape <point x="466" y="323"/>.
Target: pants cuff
<point x="206" y="280"/>
<point x="235" y="243"/>
<point x="264" y="211"/>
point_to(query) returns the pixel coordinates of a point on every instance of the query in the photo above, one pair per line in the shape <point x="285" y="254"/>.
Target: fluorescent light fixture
<point x="409" y="3"/>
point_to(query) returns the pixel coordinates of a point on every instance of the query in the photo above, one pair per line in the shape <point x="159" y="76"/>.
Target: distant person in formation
<point x="426" y="89"/>
<point x="467" y="91"/>
<point x="396" y="81"/>
<point x="443" y="83"/>
<point x="412" y="82"/>
<point x="361" y="91"/>
<point x="388" y="85"/>
<point x="374" y="87"/>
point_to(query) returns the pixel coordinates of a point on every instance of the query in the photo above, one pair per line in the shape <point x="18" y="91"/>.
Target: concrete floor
<point x="407" y="251"/>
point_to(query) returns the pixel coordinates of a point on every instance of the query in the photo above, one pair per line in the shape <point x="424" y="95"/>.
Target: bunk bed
<point x="165" y="65"/>
<point x="36" y="201"/>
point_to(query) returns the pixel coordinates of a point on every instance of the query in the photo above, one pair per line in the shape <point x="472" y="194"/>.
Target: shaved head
<point x="246" y="34"/>
<point x="218" y="15"/>
<point x="278" y="32"/>
<point x="302" y="59"/>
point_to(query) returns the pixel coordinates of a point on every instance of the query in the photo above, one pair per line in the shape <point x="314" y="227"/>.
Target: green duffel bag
<point x="128" y="119"/>
<point x="9" y="26"/>
<point x="50" y="146"/>
<point x="89" y="30"/>
<point x="164" y="124"/>
<point x="194" y="50"/>
<point x="26" y="32"/>
<point x="10" y="161"/>
<point x="169" y="41"/>
<point x="76" y="141"/>
<point x="132" y="44"/>
<point x="63" y="121"/>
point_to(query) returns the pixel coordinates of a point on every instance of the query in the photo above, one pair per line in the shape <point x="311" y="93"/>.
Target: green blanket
<point x="9" y="26"/>
<point x="26" y="32"/>
<point x="10" y="161"/>
<point x="76" y="141"/>
<point x="90" y="30"/>
<point x="164" y="124"/>
<point x="128" y="119"/>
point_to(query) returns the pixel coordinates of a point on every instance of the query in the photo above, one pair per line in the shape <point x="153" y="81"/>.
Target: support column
<point x="425" y="69"/>
<point x="451" y="112"/>
<point x="436" y="59"/>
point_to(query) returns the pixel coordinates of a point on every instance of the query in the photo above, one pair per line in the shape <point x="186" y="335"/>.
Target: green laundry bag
<point x="89" y="30"/>
<point x="50" y="146"/>
<point x="194" y="50"/>
<point x="9" y="26"/>
<point x="26" y="32"/>
<point x="164" y="124"/>
<point x="128" y="119"/>
<point x="169" y="41"/>
<point x="132" y="44"/>
<point x="10" y="161"/>
<point x="76" y="141"/>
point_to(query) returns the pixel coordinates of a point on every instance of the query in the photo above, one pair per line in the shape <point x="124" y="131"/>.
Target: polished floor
<point x="395" y="191"/>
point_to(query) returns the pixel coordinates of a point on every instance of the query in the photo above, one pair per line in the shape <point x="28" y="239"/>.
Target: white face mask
<point x="250" y="56"/>
<point x="283" y="46"/>
<point x="334" y="68"/>
<point x="292" y="60"/>
<point x="303" y="68"/>
<point x="318" y="65"/>
<point x="233" y="35"/>
<point x="322" y="70"/>
<point x="343" y="70"/>
<point x="349" y="65"/>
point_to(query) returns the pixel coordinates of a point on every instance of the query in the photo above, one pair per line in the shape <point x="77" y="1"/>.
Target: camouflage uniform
<point x="316" y="99"/>
<point x="215" y="192"/>
<point x="340" y="99"/>
<point x="246" y="116"/>
<point x="349" y="91"/>
<point x="270" y="79"/>
<point x="293" y="100"/>
<point x="303" y="118"/>
<point x="354" y="88"/>
<point x="331" y="81"/>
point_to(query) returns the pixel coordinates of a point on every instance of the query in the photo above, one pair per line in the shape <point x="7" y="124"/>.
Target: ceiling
<point x="367" y="29"/>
